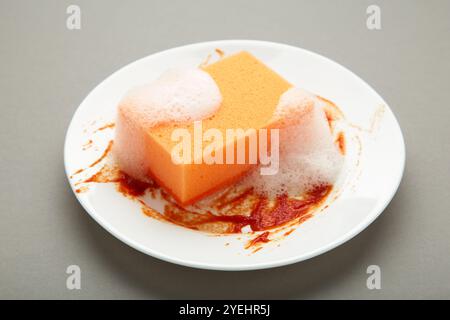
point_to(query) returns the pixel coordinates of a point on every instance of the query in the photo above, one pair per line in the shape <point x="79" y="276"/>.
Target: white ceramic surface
<point x="373" y="169"/>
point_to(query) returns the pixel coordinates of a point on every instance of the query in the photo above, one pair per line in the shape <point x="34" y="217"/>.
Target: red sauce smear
<point x="103" y="156"/>
<point x="106" y="126"/>
<point x="264" y="215"/>
<point x="105" y="153"/>
<point x="82" y="189"/>
<point x="125" y="184"/>
<point x="262" y="238"/>
<point x="132" y="187"/>
<point x="220" y="52"/>
<point x="245" y="209"/>
<point x="288" y="232"/>
<point x="330" y="119"/>
<point x="341" y="142"/>
<point x="88" y="144"/>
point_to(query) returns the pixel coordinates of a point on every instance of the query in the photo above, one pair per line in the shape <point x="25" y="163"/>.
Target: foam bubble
<point x="178" y="95"/>
<point x="183" y="94"/>
<point x="308" y="153"/>
<point x="293" y="104"/>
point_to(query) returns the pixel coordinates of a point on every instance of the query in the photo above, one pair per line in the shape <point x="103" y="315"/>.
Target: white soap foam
<point x="309" y="155"/>
<point x="183" y="94"/>
<point x="178" y="95"/>
<point x="293" y="104"/>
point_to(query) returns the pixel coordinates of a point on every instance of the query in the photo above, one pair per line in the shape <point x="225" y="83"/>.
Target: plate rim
<point x="375" y="212"/>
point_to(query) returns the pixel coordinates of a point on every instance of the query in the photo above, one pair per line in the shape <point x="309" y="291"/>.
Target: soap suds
<point x="292" y="106"/>
<point x="178" y="95"/>
<point x="308" y="153"/>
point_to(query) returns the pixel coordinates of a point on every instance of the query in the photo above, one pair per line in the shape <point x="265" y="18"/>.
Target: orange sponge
<point x="250" y="93"/>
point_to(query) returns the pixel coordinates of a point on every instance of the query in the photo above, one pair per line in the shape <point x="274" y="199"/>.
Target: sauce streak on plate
<point x="234" y="210"/>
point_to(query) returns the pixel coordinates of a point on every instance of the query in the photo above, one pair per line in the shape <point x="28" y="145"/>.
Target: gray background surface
<point x="46" y="71"/>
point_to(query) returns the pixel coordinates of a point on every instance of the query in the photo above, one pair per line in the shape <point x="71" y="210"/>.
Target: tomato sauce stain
<point x="257" y="249"/>
<point x="87" y="145"/>
<point x="106" y="126"/>
<point x="262" y="238"/>
<point x="103" y="156"/>
<point x="340" y="141"/>
<point x="220" y="52"/>
<point x="259" y="213"/>
<point x="288" y="232"/>
<point x="234" y="212"/>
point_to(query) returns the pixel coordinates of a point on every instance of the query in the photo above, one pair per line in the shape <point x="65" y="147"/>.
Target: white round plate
<point x="374" y="162"/>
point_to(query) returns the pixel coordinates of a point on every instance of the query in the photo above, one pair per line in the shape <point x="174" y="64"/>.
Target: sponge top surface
<point x="250" y="93"/>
